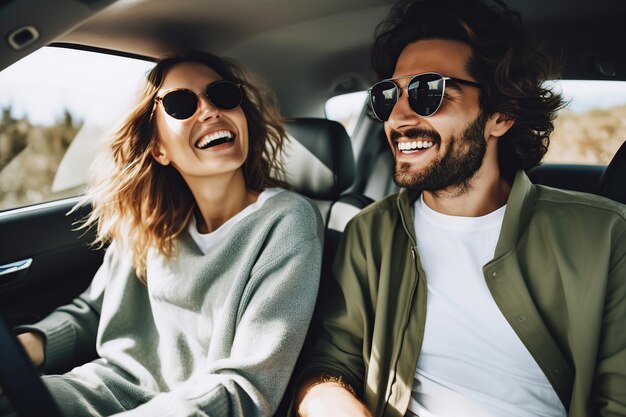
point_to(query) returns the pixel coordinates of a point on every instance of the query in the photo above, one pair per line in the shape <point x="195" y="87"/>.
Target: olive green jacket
<point x="558" y="276"/>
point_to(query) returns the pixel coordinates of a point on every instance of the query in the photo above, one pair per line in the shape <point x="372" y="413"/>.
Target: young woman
<point x="204" y="298"/>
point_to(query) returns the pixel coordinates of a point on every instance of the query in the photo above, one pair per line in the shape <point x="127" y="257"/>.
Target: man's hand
<point x="321" y="399"/>
<point x="33" y="344"/>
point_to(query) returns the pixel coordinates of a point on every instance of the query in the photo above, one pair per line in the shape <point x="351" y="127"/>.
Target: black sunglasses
<point x="181" y="103"/>
<point x="425" y="93"/>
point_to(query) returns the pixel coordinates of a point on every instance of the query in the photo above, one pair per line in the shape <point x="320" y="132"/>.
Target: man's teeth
<point x="410" y="146"/>
<point x="205" y="141"/>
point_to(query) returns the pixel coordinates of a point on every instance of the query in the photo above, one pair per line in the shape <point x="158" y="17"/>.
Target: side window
<point x="56" y="105"/>
<point x="592" y="127"/>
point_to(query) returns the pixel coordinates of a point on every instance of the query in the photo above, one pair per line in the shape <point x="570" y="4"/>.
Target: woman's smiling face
<point x="212" y="141"/>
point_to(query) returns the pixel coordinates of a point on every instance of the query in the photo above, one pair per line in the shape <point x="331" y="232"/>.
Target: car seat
<point x="575" y="177"/>
<point x="376" y="166"/>
<point x="319" y="164"/>
<point x="318" y="160"/>
<point x="613" y="182"/>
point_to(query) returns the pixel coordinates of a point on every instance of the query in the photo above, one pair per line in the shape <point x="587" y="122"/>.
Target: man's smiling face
<point x="445" y="149"/>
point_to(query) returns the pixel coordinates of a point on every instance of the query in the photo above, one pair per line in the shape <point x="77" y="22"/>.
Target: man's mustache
<point x="415" y="133"/>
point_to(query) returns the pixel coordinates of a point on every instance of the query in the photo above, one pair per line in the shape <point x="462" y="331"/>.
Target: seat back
<point x="319" y="163"/>
<point x="613" y="183"/>
<point x="318" y="160"/>
<point x="575" y="177"/>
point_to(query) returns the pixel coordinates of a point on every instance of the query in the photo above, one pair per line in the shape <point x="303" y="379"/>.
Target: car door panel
<point x="47" y="261"/>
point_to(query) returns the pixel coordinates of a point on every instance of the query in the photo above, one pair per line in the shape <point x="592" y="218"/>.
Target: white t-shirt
<point x="206" y="241"/>
<point x="472" y="363"/>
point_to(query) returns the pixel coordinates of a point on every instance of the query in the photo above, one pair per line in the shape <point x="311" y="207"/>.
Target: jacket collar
<point x="518" y="213"/>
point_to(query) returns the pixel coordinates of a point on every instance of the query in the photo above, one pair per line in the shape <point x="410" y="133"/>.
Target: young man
<point x="472" y="292"/>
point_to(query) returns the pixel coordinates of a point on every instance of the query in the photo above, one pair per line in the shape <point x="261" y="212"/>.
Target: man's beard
<point x="455" y="168"/>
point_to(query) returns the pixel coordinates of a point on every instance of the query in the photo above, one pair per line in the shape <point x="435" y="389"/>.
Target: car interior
<point x="307" y="52"/>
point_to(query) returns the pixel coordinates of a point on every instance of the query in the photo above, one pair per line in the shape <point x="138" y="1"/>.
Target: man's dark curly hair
<point x="510" y="67"/>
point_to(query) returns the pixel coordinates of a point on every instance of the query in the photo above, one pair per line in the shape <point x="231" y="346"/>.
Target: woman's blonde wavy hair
<point x="142" y="205"/>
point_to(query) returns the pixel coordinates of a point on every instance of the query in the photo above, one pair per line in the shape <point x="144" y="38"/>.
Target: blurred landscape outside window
<point x="56" y="106"/>
<point x="588" y="131"/>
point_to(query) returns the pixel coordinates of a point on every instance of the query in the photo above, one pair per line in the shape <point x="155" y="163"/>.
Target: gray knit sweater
<point x="210" y="335"/>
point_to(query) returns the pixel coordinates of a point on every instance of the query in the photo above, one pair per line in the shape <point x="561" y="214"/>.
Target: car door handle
<point x="15" y="266"/>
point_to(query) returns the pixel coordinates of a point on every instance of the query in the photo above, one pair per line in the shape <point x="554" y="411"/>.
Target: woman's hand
<point x="33" y="344"/>
<point x="330" y="399"/>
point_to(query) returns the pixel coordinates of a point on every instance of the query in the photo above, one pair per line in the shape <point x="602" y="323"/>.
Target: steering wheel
<point x="20" y="380"/>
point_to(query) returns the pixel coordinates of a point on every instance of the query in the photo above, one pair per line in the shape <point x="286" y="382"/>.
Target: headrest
<point x="613" y="183"/>
<point x="318" y="158"/>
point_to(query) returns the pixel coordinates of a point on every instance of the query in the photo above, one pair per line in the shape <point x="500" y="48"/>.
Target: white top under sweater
<point x="214" y="334"/>
<point x="472" y="363"/>
<point x="207" y="241"/>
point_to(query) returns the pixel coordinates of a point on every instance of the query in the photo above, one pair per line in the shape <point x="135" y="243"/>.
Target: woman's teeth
<point x="214" y="138"/>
